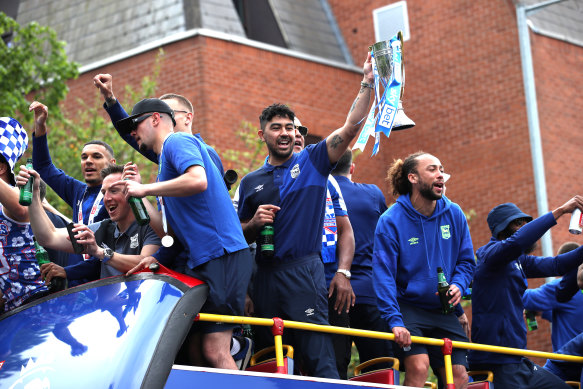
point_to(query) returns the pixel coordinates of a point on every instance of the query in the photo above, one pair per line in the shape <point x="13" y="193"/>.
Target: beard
<point x="143" y="148"/>
<point x="426" y="191"/>
<point x="273" y="150"/>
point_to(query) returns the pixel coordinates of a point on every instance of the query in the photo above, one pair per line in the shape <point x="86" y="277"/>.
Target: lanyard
<point x="167" y="240"/>
<point x="94" y="209"/>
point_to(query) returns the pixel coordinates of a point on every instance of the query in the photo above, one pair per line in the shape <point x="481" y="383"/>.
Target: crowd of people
<point x="339" y="255"/>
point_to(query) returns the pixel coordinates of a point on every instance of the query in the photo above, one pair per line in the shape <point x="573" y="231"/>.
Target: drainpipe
<point x="522" y="12"/>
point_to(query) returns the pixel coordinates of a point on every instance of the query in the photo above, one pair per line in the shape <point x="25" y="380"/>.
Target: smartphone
<point x="76" y="246"/>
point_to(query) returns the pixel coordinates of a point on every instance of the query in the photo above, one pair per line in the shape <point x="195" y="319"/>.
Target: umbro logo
<point x="309" y="311"/>
<point x="413" y="241"/>
<point x="258" y="188"/>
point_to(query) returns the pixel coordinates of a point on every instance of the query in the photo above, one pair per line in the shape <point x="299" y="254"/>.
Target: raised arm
<point x="104" y="82"/>
<point x="65" y="186"/>
<point x="338" y="141"/>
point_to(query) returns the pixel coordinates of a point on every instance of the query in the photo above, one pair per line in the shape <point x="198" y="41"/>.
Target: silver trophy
<point x="383" y="56"/>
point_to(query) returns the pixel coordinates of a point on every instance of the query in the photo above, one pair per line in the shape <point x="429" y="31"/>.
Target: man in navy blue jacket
<point x="421" y="232"/>
<point x="84" y="198"/>
<point x="499" y="284"/>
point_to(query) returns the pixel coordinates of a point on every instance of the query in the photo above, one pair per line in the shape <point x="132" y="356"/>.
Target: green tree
<point x="34" y="66"/>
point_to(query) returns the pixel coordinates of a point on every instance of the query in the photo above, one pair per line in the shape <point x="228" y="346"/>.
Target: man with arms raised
<point x="289" y="191"/>
<point x="421" y="232"/>
<point x="84" y="198"/>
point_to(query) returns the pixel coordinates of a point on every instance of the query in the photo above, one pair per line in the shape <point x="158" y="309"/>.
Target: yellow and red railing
<point x="277" y="326"/>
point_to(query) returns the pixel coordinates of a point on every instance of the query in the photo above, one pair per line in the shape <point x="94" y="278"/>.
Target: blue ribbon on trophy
<point x="386" y="113"/>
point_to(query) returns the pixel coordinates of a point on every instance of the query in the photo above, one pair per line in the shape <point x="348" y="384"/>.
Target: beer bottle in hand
<point x="531" y="320"/>
<point x="42" y="257"/>
<point x="443" y="289"/>
<point x="139" y="210"/>
<point x="25" y="198"/>
<point x="266" y="244"/>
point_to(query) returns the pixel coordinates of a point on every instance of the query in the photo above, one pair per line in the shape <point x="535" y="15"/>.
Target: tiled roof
<point x="95" y="30"/>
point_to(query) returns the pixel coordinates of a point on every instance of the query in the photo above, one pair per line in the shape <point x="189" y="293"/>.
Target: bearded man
<point x="422" y="232"/>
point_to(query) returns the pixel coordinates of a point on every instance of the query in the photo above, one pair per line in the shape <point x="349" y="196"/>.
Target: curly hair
<point x="397" y="174"/>
<point x="275" y="110"/>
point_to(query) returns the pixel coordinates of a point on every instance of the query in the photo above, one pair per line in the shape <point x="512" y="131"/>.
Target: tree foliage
<point x="244" y="161"/>
<point x="34" y="66"/>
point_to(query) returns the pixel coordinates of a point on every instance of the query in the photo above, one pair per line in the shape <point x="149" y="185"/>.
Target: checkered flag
<point x="13" y="140"/>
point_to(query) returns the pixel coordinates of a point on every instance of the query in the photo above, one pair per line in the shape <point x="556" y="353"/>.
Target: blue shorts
<point x="293" y="291"/>
<point x="227" y="278"/>
<point x="297" y="291"/>
<point x="433" y="324"/>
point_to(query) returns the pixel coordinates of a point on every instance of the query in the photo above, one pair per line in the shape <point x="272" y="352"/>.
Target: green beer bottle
<point x="266" y="244"/>
<point x="531" y="320"/>
<point x="26" y="191"/>
<point x="42" y="257"/>
<point x="139" y="210"/>
<point x="442" y="289"/>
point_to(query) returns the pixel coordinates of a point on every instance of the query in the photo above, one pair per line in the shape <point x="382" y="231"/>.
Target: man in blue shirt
<point x="337" y="253"/>
<point x="565" y="316"/>
<point x="84" y="198"/>
<point x="195" y="200"/>
<point x="365" y="204"/>
<point x="289" y="191"/>
<point x="421" y="232"/>
<point x="504" y="264"/>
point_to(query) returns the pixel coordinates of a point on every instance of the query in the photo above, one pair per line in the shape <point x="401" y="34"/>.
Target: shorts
<point x="227" y="278"/>
<point x="433" y="324"/>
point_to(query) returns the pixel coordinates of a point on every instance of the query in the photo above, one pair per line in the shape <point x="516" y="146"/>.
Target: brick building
<point x="465" y="87"/>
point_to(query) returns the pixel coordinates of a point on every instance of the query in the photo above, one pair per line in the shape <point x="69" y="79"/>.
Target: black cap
<point x="127" y="125"/>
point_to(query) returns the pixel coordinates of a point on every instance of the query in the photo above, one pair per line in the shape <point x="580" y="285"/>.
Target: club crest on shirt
<point x="445" y="234"/>
<point x="134" y="241"/>
<point x="295" y="172"/>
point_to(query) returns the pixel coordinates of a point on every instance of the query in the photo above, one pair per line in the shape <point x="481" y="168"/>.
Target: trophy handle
<point x="400" y="37"/>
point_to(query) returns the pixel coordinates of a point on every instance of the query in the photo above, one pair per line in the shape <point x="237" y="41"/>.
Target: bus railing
<point x="278" y="325"/>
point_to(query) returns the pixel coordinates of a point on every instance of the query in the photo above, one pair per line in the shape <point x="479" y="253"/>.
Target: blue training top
<point x="298" y="187"/>
<point x="365" y="204"/>
<point x="566" y="317"/>
<point x="500" y="282"/>
<point x="408" y="249"/>
<point x="205" y="223"/>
